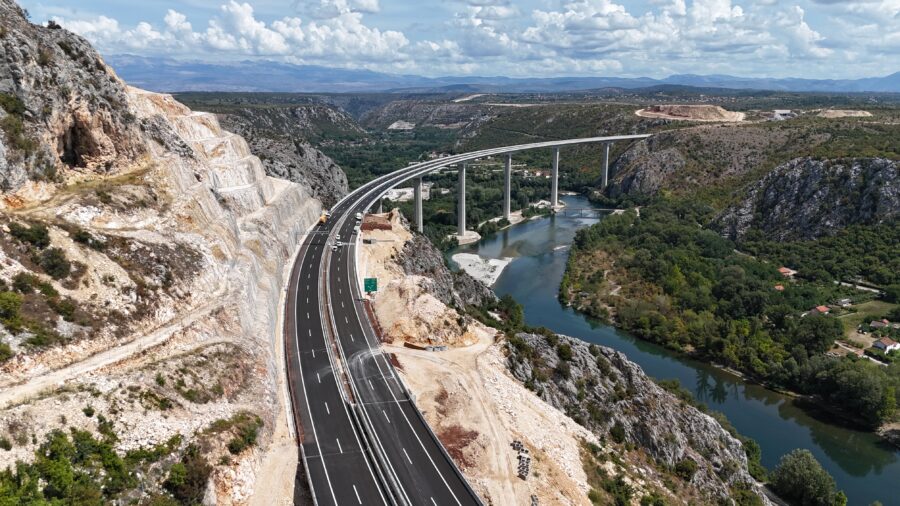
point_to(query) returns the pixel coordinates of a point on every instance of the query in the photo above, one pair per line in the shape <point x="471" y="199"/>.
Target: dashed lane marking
<point x="341" y="449"/>
<point x="357" y="495"/>
<point x="328" y="410"/>
<point x="407" y="456"/>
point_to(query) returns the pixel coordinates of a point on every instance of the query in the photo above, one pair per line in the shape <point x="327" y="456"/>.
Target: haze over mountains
<point x="161" y="74"/>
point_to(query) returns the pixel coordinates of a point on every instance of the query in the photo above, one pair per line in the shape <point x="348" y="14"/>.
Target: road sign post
<point x="370" y="285"/>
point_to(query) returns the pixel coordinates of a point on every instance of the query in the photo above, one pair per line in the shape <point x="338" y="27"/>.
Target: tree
<point x="801" y="480"/>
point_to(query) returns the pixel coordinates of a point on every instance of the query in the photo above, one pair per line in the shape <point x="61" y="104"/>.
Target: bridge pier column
<point x="417" y="189"/>
<point x="554" y="183"/>
<point x="380" y="207"/>
<point x="507" y="186"/>
<point x="461" y="204"/>
<point x="605" y="180"/>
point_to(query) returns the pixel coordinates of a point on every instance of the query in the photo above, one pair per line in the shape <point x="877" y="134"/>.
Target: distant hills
<point x="160" y="74"/>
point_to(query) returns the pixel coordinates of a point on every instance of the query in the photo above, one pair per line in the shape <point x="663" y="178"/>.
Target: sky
<point x="830" y="39"/>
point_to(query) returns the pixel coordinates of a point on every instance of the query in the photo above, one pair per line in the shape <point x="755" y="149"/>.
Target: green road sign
<point x="370" y="284"/>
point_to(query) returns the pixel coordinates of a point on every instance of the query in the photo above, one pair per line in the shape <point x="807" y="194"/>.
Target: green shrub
<point x="564" y="352"/>
<point x="187" y="479"/>
<point x="55" y="263"/>
<point x="12" y="104"/>
<point x="800" y="479"/>
<point x="619" y="490"/>
<point x="686" y="469"/>
<point x="5" y="444"/>
<point x="36" y="234"/>
<point x="10" y="304"/>
<point x="23" y="282"/>
<point x="88" y="411"/>
<point x="617" y="433"/>
<point x="6" y="352"/>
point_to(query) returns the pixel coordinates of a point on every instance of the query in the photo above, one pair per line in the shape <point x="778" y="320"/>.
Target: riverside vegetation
<point x="686" y="287"/>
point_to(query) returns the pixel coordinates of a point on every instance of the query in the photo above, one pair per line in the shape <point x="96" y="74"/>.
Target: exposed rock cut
<point x="691" y="113"/>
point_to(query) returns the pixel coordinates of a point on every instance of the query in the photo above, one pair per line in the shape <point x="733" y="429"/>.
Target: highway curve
<point x="361" y="437"/>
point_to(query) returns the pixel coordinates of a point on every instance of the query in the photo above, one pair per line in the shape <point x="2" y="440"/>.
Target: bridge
<point x="361" y="438"/>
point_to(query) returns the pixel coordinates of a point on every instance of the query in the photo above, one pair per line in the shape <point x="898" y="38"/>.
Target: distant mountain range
<point x="160" y="74"/>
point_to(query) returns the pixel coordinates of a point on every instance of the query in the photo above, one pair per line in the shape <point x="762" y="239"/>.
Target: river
<point x="865" y="468"/>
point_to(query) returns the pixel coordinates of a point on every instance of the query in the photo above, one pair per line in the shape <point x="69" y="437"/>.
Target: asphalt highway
<point x="362" y="439"/>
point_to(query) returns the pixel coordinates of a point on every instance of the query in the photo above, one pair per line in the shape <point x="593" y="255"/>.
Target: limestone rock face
<point x="419" y="257"/>
<point x="604" y="389"/>
<point x="280" y="137"/>
<point x="63" y="108"/>
<point x="807" y="198"/>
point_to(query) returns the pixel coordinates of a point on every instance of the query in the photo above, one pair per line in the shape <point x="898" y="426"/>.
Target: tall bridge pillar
<point x="605" y="180"/>
<point x="417" y="189"/>
<point x="554" y="182"/>
<point x="461" y="203"/>
<point x="507" y="186"/>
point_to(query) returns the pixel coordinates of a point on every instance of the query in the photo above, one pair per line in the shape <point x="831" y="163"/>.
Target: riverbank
<point x="859" y="461"/>
<point x="486" y="270"/>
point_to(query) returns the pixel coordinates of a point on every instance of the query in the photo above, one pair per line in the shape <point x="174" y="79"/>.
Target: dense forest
<point x="686" y="287"/>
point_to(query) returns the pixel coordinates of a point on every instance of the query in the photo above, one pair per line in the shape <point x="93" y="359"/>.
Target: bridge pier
<point x="461" y="203"/>
<point x="417" y="190"/>
<point x="554" y="183"/>
<point x="507" y="186"/>
<point x="605" y="180"/>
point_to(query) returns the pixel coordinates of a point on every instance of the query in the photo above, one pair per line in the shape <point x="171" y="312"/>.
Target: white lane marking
<point x="326" y="409"/>
<point x="310" y="332"/>
<point x="314" y="353"/>
<point x="339" y="291"/>
<point x="351" y="338"/>
<point x="407" y="456"/>
<point x="339" y="445"/>
<point x="370" y="384"/>
<point x="307" y="288"/>
<point x="346" y="321"/>
<point x="318" y="377"/>
<point x="342" y="304"/>
<point x="385" y="416"/>
<point x="307" y="315"/>
<point x="432" y="501"/>
<point x="307" y="300"/>
<point x="306" y="401"/>
<point x="357" y="495"/>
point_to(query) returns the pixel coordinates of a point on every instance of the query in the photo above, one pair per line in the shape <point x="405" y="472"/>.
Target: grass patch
<point x="865" y="313"/>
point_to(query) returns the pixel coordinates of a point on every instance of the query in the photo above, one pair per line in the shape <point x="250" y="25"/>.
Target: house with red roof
<point x="886" y="344"/>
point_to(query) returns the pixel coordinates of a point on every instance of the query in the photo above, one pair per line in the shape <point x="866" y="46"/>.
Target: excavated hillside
<point x="140" y="284"/>
<point x="488" y="390"/>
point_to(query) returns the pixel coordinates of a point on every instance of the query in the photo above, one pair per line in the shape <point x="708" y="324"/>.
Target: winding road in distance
<point x="362" y="439"/>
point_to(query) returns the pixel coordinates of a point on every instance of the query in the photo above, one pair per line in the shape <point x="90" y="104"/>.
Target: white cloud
<point x="561" y="37"/>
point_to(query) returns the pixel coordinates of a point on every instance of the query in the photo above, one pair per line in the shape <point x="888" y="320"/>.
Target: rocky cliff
<point x="808" y="198"/>
<point x="611" y="396"/>
<point x="142" y="282"/>
<point x="704" y="157"/>
<point x="419" y="257"/>
<point x="60" y="106"/>
<point x="280" y="137"/>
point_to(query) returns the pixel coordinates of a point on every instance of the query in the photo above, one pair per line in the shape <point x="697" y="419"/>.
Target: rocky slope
<point x="426" y="113"/>
<point x="807" y="198"/>
<point x="141" y="283"/>
<point x="419" y="257"/>
<point x="703" y="157"/>
<point x="60" y="106"/>
<point x="611" y="396"/>
<point x="280" y="137"/>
